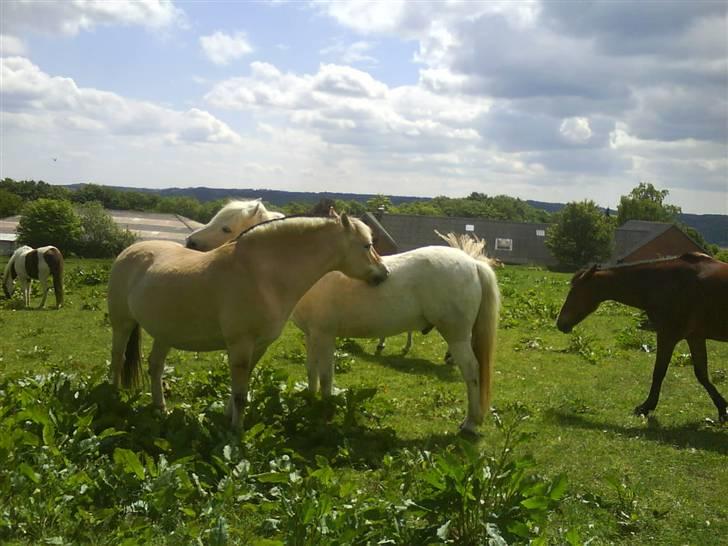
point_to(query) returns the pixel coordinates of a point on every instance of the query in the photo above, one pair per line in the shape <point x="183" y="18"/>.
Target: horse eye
<point x="227" y="229"/>
<point x="368" y="246"/>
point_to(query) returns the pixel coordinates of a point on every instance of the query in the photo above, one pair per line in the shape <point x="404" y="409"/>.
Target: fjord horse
<point x="685" y="298"/>
<point x="229" y="222"/>
<point x="27" y="264"/>
<point x="433" y="286"/>
<point x="236" y="297"/>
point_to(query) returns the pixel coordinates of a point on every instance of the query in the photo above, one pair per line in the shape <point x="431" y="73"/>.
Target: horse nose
<point x="380" y="276"/>
<point x="189" y="243"/>
<point x="565" y="328"/>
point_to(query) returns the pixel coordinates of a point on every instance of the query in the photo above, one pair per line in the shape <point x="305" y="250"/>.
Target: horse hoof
<point x="642" y="411"/>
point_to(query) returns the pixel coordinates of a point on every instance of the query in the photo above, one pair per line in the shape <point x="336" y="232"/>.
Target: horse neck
<point x="293" y="263"/>
<point x="623" y="285"/>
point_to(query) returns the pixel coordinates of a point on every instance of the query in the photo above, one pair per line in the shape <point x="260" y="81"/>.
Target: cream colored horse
<point x="236" y="297"/>
<point x="428" y="287"/>
<point x="229" y="222"/>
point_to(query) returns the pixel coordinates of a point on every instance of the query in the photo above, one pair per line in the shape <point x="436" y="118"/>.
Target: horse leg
<point x="25" y="287"/>
<point x="463" y="355"/>
<point x="665" y="346"/>
<point x="381" y="345"/>
<point x="700" y="367"/>
<point x="408" y="345"/>
<point x="157" y="356"/>
<point x="321" y="349"/>
<point x="44" y="288"/>
<point x="120" y="335"/>
<point x="240" y="359"/>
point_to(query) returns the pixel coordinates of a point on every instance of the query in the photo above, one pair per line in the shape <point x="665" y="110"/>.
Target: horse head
<point x="581" y="301"/>
<point x="228" y="223"/>
<point x="360" y="260"/>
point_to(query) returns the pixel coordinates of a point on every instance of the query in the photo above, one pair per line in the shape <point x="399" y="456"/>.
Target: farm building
<point x="509" y="242"/>
<point x="638" y="240"/>
<point x="145" y="225"/>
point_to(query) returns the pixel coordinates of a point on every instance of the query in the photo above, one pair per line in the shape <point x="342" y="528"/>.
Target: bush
<point x="582" y="234"/>
<point x="100" y="237"/>
<point x="10" y="203"/>
<point x="49" y="222"/>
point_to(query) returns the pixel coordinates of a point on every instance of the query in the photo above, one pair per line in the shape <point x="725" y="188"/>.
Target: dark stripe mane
<point x="266" y="222"/>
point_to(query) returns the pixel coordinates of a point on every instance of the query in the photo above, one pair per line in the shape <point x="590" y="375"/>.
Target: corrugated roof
<point x="634" y="234"/>
<point x="526" y="240"/>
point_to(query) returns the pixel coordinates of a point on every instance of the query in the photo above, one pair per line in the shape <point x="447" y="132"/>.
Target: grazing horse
<point x="27" y="264"/>
<point x="685" y="298"/>
<point x="229" y="222"/>
<point x="236" y="297"/>
<point x="433" y="286"/>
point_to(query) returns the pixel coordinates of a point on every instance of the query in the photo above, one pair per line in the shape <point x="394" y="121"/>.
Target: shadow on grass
<point x="405" y="364"/>
<point x="690" y="435"/>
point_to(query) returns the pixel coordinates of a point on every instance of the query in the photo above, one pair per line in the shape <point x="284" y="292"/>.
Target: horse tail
<point x="54" y="259"/>
<point x="485" y="331"/>
<point x="131" y="369"/>
<point x="472" y="245"/>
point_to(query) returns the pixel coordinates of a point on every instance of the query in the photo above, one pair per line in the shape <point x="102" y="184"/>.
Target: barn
<point x="638" y="240"/>
<point x="509" y="242"/>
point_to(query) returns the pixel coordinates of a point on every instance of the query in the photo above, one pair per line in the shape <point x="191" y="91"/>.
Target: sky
<point x="554" y="101"/>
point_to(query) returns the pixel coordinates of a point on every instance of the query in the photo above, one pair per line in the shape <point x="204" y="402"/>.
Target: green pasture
<point x="81" y="463"/>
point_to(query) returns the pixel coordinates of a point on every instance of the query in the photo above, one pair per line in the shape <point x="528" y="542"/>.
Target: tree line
<point x="580" y="233"/>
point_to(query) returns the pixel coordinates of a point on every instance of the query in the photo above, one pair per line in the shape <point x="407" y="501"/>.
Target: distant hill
<point x="714" y="227"/>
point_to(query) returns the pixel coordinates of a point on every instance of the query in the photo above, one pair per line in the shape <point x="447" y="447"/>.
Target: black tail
<point x="131" y="370"/>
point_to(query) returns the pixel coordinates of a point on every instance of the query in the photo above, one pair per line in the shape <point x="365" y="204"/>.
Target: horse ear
<point x="345" y="221"/>
<point x="333" y="213"/>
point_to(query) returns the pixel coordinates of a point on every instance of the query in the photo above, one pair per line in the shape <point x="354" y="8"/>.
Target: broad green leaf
<point x="129" y="461"/>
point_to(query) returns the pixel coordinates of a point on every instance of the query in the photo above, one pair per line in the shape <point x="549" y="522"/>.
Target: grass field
<point x="631" y="480"/>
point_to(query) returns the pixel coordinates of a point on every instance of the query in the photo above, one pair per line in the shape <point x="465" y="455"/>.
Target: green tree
<point x="580" y="235"/>
<point x="645" y="202"/>
<point x="49" y="222"/>
<point x="10" y="203"/>
<point x="377" y="202"/>
<point x="100" y="236"/>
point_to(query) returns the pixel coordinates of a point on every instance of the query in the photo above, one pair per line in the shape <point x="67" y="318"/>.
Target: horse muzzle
<point x="379" y="277"/>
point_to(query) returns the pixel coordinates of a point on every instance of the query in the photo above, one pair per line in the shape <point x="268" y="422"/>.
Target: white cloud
<point x="346" y="106"/>
<point x="354" y="53"/>
<point x="221" y="48"/>
<point x="576" y="129"/>
<point x="72" y="16"/>
<point x="32" y="98"/>
<point x="11" y="45"/>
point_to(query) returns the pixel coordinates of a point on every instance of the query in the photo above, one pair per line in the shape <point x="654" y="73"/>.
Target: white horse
<point x="433" y="286"/>
<point x="229" y="222"/>
<point x="27" y="264"/>
<point x="236" y="297"/>
<point x="473" y="246"/>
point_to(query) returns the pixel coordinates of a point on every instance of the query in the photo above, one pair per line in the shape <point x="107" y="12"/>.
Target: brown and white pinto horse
<point x="27" y="264"/>
<point x="685" y="298"/>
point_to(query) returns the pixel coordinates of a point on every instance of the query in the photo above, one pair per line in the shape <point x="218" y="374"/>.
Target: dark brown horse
<point x="685" y="298"/>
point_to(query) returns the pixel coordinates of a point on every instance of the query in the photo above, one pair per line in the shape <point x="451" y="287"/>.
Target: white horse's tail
<point x="472" y="245"/>
<point x="485" y="330"/>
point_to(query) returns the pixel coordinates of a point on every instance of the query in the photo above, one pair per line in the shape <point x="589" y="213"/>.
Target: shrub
<point x="582" y="234"/>
<point x="49" y="222"/>
<point x="100" y="237"/>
